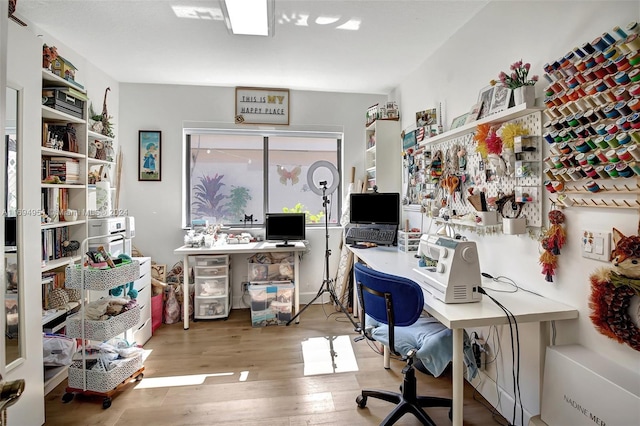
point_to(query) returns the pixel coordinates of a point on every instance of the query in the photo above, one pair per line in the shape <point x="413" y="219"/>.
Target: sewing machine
<point x="457" y="272"/>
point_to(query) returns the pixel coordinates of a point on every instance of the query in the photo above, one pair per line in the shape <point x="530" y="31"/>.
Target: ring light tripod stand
<point x="326" y="283"/>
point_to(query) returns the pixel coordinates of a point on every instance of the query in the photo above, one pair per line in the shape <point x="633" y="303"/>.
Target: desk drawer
<point x="143" y="333"/>
<point x="209" y="287"/>
<point x="145" y="265"/>
<point x="211" y="271"/>
<point x="213" y="260"/>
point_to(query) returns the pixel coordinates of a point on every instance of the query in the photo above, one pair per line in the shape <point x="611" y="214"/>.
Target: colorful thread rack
<point x="593" y="106"/>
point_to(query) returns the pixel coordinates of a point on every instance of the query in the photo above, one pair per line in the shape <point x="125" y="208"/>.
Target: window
<point x="233" y="175"/>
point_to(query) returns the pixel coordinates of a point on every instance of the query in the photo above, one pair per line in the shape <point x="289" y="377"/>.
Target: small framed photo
<point x="149" y="155"/>
<point x="459" y="121"/>
<point x="500" y="100"/>
<point x="427" y="117"/>
<point x="484" y="98"/>
<point x="474" y="112"/>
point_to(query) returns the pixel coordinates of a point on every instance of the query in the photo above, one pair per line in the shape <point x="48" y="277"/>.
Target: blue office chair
<point x="396" y="302"/>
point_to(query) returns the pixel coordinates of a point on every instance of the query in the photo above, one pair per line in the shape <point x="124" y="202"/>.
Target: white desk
<point x="258" y="247"/>
<point x="526" y="307"/>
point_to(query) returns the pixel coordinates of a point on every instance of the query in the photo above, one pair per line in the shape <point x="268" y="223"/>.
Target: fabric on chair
<point x="431" y="338"/>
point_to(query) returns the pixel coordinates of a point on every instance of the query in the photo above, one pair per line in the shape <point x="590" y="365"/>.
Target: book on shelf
<point x="54" y="200"/>
<point x="66" y="169"/>
<point x="51" y="243"/>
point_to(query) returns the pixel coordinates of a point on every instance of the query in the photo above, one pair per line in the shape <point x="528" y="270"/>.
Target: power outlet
<point x="245" y="286"/>
<point x="596" y="245"/>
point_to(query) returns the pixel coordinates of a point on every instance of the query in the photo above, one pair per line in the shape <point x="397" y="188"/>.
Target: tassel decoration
<point x="552" y="241"/>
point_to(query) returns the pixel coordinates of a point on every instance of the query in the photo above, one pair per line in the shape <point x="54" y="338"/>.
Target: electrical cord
<point x="506" y="280"/>
<point x="515" y="356"/>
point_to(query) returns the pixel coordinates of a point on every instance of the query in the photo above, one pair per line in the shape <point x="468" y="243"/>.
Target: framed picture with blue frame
<point x="149" y="155"/>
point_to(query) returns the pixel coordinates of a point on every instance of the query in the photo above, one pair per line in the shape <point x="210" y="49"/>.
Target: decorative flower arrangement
<point x="508" y="132"/>
<point x="518" y="76"/>
<point x="487" y="140"/>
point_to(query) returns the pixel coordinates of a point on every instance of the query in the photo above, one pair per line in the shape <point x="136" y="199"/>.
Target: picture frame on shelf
<point x="500" y="99"/>
<point x="484" y="99"/>
<point x="460" y="120"/>
<point x="474" y="112"/>
<point x="149" y="155"/>
<point x="427" y="117"/>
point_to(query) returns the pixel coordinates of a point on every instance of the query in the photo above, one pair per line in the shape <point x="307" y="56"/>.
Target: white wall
<point x="156" y="205"/>
<point x="536" y="32"/>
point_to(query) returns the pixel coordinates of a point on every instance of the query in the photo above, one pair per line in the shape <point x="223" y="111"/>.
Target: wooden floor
<point x="239" y="375"/>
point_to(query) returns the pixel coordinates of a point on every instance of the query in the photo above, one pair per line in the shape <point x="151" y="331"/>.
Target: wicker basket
<point x="102" y="279"/>
<point x="103" y="381"/>
<point x="102" y="330"/>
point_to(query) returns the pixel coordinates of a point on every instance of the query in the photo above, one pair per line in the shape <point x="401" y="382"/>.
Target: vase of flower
<point x="524" y="95"/>
<point x="520" y="84"/>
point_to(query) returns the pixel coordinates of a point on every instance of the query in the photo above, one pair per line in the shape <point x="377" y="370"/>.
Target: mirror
<point x="12" y="332"/>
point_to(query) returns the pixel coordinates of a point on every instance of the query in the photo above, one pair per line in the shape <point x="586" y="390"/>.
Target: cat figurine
<point x="615" y="292"/>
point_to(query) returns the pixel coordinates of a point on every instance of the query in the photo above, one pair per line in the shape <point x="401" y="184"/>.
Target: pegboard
<point x="480" y="174"/>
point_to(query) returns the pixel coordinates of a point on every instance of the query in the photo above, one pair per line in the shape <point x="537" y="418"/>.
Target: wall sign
<point x="262" y="106"/>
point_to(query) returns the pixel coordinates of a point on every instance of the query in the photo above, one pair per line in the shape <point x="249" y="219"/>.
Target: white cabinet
<point x="212" y="286"/>
<point x="383" y="156"/>
<point x="140" y="333"/>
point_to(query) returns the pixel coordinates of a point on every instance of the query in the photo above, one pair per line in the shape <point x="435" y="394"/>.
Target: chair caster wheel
<point x="67" y="397"/>
<point x="106" y="403"/>
<point x="361" y="401"/>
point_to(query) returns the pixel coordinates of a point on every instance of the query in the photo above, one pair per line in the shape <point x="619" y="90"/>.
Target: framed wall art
<point x="255" y="105"/>
<point x="149" y="155"/>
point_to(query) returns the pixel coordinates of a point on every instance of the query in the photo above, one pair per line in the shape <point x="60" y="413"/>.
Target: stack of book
<point x="67" y="169"/>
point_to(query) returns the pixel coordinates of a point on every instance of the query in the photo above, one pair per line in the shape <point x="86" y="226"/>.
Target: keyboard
<point x="372" y="235"/>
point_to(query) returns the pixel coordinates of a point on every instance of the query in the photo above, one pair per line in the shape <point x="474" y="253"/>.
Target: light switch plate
<point x="596" y="245"/>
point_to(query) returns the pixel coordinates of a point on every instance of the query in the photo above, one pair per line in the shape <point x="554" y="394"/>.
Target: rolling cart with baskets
<point x="100" y="382"/>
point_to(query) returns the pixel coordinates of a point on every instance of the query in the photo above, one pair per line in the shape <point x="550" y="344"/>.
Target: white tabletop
<point x="525" y="306"/>
<point x="260" y="246"/>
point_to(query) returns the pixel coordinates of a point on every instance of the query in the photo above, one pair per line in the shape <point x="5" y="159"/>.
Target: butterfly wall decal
<point x="289" y="175"/>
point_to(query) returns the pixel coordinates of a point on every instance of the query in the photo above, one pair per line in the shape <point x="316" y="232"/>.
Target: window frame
<point x="188" y="131"/>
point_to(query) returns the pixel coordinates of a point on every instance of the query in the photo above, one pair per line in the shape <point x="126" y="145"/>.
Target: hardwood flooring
<point x="225" y="372"/>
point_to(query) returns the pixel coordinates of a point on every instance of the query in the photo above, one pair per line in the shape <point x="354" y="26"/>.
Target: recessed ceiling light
<point x="249" y="17"/>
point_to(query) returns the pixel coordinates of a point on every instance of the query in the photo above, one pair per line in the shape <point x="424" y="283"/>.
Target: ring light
<point x="334" y="173"/>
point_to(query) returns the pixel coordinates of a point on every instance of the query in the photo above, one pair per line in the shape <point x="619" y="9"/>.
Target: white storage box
<point x="582" y="387"/>
<point x="513" y="226"/>
<point x="102" y="330"/>
<point x="408" y="241"/>
<point x="488" y="218"/>
<point x="103" y="381"/>
<point x="102" y="279"/>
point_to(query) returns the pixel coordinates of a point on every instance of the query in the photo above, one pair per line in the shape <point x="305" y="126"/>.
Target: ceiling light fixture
<point x="249" y="17"/>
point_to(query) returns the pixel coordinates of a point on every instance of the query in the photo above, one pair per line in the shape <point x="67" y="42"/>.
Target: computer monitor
<point x="375" y="208"/>
<point x="10" y="231"/>
<point x="285" y="227"/>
